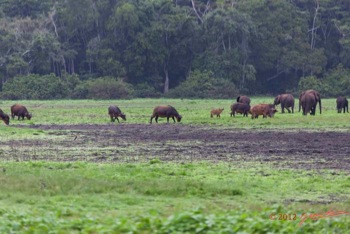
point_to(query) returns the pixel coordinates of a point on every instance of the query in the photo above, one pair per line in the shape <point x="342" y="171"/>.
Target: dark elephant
<point x="308" y="101"/>
<point x="243" y="99"/>
<point x="286" y="101"/>
<point x="342" y="103"/>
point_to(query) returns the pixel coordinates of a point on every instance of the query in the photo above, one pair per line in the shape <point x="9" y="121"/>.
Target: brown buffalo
<point x="243" y="99"/>
<point x="165" y="111"/>
<point x="114" y="112"/>
<point x="241" y="108"/>
<point x="4" y="117"/>
<point x="20" y="111"/>
<point x="216" y="112"/>
<point x="263" y="109"/>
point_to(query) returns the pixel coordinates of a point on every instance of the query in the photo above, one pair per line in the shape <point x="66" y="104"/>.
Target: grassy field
<point x="193" y="112"/>
<point x="154" y="196"/>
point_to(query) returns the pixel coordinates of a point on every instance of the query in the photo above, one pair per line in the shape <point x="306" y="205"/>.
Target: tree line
<point x="176" y="48"/>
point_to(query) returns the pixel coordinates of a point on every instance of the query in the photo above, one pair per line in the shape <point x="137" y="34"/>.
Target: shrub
<point x="144" y="90"/>
<point x="109" y="88"/>
<point x="336" y="82"/>
<point x="204" y="85"/>
<point x="309" y="82"/>
<point x="35" y="87"/>
<point x="80" y="91"/>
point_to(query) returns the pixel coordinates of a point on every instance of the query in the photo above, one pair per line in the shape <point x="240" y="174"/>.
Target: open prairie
<point x="70" y="169"/>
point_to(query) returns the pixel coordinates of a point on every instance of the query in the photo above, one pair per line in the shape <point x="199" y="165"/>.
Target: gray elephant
<point x="308" y="101"/>
<point x="286" y="101"/>
<point x="342" y="103"/>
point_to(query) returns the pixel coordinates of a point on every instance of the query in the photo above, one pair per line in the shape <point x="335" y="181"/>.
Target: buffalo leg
<point x="173" y="119"/>
<point x="117" y="119"/>
<point x="150" y="121"/>
<point x="156" y="119"/>
<point x="112" y="120"/>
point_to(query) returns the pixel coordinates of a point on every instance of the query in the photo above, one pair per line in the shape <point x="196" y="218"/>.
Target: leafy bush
<point x="309" y="82"/>
<point x="204" y="85"/>
<point x="144" y="90"/>
<point x="35" y="87"/>
<point x="81" y="91"/>
<point x="197" y="221"/>
<point x="108" y="88"/>
<point x="336" y="82"/>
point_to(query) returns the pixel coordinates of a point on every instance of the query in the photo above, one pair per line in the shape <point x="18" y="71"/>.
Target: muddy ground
<point x="177" y="142"/>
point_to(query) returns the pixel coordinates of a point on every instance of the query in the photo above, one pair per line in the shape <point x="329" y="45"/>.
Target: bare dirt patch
<point x="178" y="142"/>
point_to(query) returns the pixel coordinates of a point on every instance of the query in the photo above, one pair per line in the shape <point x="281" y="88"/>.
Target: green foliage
<point x="204" y="85"/>
<point x="108" y="88"/>
<point x="259" y="46"/>
<point x="336" y="82"/>
<point x="309" y="82"/>
<point x="35" y="87"/>
<point x="145" y="90"/>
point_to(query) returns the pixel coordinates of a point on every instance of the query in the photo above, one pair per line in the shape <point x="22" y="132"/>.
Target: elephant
<point x="308" y="100"/>
<point x="243" y="99"/>
<point x="342" y="103"/>
<point x="286" y="101"/>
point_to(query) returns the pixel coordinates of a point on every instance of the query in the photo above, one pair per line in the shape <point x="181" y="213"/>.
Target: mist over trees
<point x="176" y="48"/>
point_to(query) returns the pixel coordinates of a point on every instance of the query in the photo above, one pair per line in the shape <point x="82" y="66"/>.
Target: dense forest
<point x="175" y="48"/>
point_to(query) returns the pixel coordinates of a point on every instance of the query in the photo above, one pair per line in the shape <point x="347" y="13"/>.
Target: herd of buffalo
<point x="308" y="101"/>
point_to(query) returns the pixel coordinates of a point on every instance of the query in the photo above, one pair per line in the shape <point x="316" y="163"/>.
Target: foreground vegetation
<point x="155" y="197"/>
<point x="160" y="197"/>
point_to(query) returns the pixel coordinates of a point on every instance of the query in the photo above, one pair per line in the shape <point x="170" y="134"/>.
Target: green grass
<point x="96" y="197"/>
<point x="193" y="112"/>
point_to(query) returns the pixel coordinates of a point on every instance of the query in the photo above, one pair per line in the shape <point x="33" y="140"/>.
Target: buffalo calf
<point x="216" y="112"/>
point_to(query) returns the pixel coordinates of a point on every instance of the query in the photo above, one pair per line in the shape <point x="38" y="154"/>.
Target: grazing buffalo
<point x="20" y="111"/>
<point x="4" y="117"/>
<point x="114" y="112"/>
<point x="263" y="109"/>
<point x="165" y="111"/>
<point x="286" y="101"/>
<point x="241" y="108"/>
<point x="243" y="99"/>
<point x="342" y="103"/>
<point x="216" y="112"/>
